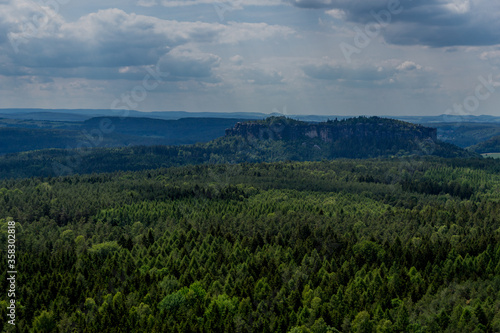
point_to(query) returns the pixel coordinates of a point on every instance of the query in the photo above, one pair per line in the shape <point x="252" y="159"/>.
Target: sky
<point x="323" y="57"/>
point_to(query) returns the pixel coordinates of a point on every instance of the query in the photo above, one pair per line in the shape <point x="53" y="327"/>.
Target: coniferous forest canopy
<point x="373" y="245"/>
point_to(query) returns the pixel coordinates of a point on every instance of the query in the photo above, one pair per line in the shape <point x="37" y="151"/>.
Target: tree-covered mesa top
<point x="360" y="137"/>
<point x="361" y="128"/>
<point x="395" y="245"/>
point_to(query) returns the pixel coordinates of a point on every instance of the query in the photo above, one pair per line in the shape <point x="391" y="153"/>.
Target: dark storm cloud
<point x="435" y="23"/>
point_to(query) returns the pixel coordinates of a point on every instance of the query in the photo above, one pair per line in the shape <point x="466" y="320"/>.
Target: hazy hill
<point x="168" y="132"/>
<point x="465" y="134"/>
<point x="490" y="146"/>
<point x="49" y="116"/>
<point x="447" y="118"/>
<point x="83" y="114"/>
<point x="24" y="135"/>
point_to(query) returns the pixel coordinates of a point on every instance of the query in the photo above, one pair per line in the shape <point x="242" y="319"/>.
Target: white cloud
<point x="408" y="66"/>
<point x="336" y="13"/>
<point x="492" y="56"/>
<point x="114" y="38"/>
<point x="184" y="62"/>
<point x="237" y="60"/>
<point x="458" y="6"/>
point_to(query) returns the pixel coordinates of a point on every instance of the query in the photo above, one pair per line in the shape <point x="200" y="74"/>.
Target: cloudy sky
<point x="338" y="57"/>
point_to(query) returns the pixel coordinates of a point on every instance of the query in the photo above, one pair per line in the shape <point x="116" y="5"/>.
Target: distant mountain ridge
<point x="18" y="135"/>
<point x="490" y="146"/>
<point x="83" y="114"/>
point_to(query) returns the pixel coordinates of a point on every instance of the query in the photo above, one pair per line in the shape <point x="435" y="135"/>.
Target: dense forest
<point x="373" y="245"/>
<point x="466" y="134"/>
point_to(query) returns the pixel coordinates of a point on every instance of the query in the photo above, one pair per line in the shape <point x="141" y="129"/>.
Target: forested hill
<point x="490" y="146"/>
<point x="286" y="140"/>
<point x="370" y="130"/>
<point x="360" y="137"/>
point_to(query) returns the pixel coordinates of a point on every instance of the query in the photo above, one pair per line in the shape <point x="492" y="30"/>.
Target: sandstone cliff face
<point x="329" y="132"/>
